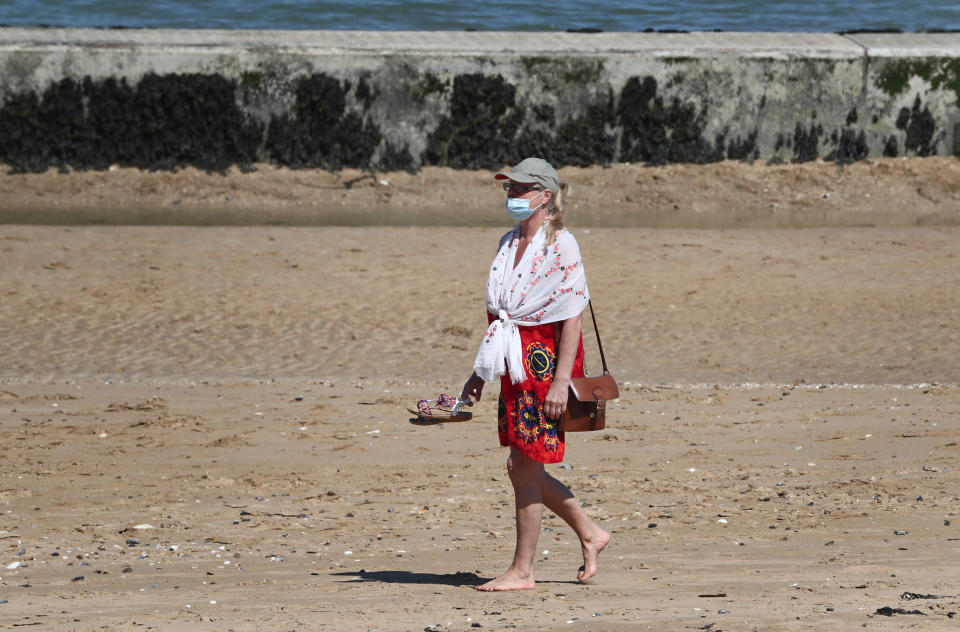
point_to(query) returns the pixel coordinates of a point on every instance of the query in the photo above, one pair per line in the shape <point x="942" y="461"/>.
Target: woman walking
<point x="535" y="297"/>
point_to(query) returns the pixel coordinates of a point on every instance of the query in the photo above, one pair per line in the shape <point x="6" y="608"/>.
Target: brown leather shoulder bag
<point x="587" y="402"/>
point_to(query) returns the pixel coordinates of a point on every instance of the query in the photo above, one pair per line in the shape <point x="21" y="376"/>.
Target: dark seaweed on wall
<point x="320" y="132"/>
<point x="584" y="140"/>
<point x="740" y="148"/>
<point x="851" y="147"/>
<point x="169" y="121"/>
<point x="193" y="120"/>
<point x="485" y="129"/>
<point x="480" y="129"/>
<point x="656" y="133"/>
<point x="920" y="129"/>
<point x="393" y="159"/>
<point x="164" y="122"/>
<point x="806" y="142"/>
<point x="580" y="141"/>
<point x="890" y="147"/>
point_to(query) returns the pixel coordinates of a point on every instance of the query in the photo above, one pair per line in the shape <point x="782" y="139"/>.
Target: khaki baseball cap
<point x="533" y="170"/>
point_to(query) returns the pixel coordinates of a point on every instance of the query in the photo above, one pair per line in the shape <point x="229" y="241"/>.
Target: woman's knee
<point x="520" y="467"/>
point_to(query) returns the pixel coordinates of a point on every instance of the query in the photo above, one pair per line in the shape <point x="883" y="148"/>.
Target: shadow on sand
<point x="407" y="577"/>
<point x="461" y="578"/>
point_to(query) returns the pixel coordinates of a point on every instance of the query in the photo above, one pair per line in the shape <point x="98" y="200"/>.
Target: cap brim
<point x="516" y="177"/>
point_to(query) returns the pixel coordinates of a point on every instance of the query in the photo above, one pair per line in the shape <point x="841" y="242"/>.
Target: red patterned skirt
<point x="521" y="422"/>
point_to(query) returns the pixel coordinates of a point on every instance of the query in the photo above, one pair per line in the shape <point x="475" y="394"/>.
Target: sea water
<point x="491" y="15"/>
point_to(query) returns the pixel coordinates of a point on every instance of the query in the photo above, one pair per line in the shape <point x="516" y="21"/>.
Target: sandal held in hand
<point x="443" y="409"/>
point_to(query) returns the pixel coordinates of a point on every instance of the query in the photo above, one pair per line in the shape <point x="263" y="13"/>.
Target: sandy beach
<point x="206" y="425"/>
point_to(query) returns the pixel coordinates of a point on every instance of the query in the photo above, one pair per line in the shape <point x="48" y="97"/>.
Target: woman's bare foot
<point x="591" y="550"/>
<point x="511" y="580"/>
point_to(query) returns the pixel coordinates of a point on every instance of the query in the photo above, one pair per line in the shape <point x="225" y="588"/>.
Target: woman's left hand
<point x="555" y="403"/>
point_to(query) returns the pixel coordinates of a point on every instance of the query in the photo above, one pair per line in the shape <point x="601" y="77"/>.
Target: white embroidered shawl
<point x="548" y="285"/>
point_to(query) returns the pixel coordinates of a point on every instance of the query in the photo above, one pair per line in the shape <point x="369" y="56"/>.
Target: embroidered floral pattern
<point x="488" y="336"/>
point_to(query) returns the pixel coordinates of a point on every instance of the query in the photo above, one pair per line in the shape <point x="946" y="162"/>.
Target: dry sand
<point x="783" y="456"/>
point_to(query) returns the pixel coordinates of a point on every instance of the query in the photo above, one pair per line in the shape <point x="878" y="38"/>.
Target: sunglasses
<point x="521" y="188"/>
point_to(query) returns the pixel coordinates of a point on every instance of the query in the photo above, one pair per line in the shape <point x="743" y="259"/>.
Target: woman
<point x="536" y="294"/>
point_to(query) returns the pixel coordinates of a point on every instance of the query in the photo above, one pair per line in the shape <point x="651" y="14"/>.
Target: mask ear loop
<point x="542" y="205"/>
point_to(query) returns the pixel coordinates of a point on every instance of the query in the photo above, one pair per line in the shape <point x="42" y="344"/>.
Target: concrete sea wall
<point x="159" y="99"/>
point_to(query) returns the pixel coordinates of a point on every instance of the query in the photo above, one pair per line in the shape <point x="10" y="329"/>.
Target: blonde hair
<point x="554" y="219"/>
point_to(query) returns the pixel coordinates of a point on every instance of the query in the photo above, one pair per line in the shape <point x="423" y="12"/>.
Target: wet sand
<point x="885" y="192"/>
<point x="783" y="456"/>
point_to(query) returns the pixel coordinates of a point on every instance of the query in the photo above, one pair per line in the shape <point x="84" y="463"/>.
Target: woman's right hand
<point x="473" y="388"/>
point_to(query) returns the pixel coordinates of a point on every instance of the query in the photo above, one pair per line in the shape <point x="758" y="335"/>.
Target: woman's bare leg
<point x="526" y="476"/>
<point x="561" y="501"/>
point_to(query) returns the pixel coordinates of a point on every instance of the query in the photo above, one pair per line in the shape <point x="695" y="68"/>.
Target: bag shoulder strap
<point x="596" y="330"/>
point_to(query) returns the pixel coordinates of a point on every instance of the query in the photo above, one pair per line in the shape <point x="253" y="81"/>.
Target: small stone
<point x="652" y="525"/>
<point x="899" y="532"/>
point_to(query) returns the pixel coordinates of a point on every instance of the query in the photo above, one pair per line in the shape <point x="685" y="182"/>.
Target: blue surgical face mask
<point x="519" y="209"/>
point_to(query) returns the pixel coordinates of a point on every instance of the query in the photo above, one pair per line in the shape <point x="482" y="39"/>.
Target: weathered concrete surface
<point x="915" y="80"/>
<point x="87" y="98"/>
